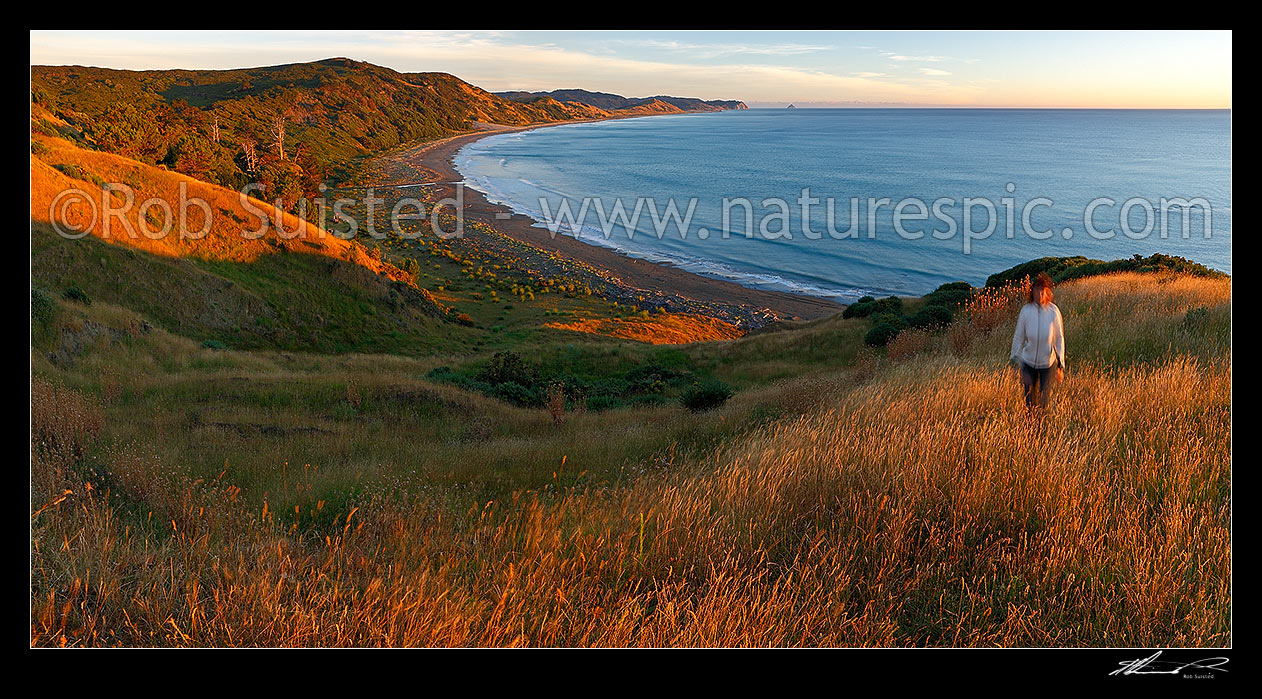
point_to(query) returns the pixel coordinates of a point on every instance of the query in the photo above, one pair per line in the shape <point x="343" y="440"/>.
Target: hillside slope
<point x="889" y="499"/>
<point x="286" y="287"/>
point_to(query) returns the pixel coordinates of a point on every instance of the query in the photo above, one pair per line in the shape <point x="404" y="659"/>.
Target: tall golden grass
<point x="665" y="328"/>
<point x="916" y="504"/>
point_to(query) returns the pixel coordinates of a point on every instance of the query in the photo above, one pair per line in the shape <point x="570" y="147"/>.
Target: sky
<point x="1080" y="69"/>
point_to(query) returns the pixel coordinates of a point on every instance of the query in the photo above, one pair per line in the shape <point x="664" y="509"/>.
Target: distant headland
<point x="609" y="101"/>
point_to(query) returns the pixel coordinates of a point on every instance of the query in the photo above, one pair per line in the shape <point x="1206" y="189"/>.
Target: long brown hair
<point x="1041" y="280"/>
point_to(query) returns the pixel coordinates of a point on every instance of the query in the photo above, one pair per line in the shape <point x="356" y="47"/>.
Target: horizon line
<point x="977" y="106"/>
<point x="764" y="104"/>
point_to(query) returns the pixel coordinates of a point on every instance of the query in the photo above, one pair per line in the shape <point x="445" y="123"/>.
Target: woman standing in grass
<point x="1038" y="345"/>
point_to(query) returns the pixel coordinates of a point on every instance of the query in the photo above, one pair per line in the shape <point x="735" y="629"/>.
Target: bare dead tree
<point x="214" y="130"/>
<point x="278" y="135"/>
<point x="251" y="155"/>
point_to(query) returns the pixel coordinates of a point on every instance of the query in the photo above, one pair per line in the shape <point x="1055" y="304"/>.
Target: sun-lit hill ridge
<point x="652" y="106"/>
<point x="612" y="102"/>
<point x="477" y="104"/>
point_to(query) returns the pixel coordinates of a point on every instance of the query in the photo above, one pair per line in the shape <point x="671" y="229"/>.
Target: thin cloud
<point x="716" y="50"/>
<point x="492" y="61"/>
<point x="913" y="58"/>
<point x="918" y="59"/>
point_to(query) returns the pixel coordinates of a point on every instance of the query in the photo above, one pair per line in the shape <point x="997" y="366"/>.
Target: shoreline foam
<point x="438" y="157"/>
<point x="710" y="268"/>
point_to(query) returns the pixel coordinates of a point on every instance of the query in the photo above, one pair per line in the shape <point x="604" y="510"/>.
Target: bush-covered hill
<point x="289" y="127"/>
<point x="1062" y="269"/>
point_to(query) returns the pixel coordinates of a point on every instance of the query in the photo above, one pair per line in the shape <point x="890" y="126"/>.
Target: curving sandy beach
<point x="762" y="306"/>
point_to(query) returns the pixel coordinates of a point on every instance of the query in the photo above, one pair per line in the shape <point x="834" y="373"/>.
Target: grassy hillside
<point x="844" y="496"/>
<point x="301" y="289"/>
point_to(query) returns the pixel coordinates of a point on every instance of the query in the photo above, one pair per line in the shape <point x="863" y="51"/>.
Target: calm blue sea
<point x="1042" y="166"/>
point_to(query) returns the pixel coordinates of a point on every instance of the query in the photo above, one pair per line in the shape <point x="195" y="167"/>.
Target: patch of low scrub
<point x="77" y="172"/>
<point x="44" y="312"/>
<point x="705" y="396"/>
<point x="868" y="306"/>
<point x="77" y="294"/>
<point x="507" y="376"/>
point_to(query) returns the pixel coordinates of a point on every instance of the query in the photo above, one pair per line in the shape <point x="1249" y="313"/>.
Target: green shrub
<point x="442" y="373"/>
<point x="863" y="309"/>
<point x="47" y="128"/>
<point x="650" y="400"/>
<point x="880" y="334"/>
<point x="1196" y="317"/>
<point x="930" y="317"/>
<point x="214" y="345"/>
<point x="705" y="396"/>
<point x="949" y="295"/>
<point x="43" y="310"/>
<point x="507" y="367"/>
<point x="596" y="403"/>
<point x="515" y="393"/>
<point x="655" y="378"/>
<point x="76" y="293"/>
<point x="412" y="268"/>
<point x="898" y="320"/>
<point x="79" y="173"/>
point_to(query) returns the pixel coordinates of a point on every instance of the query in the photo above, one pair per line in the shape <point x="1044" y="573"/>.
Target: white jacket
<point x="1040" y="338"/>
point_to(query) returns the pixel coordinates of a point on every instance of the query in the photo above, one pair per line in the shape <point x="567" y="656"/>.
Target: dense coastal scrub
<point x="289" y="127"/>
<point x="904" y="498"/>
<point x="1065" y="268"/>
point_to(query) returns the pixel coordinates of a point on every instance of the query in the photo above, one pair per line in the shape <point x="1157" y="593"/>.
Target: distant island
<point x="790" y="107"/>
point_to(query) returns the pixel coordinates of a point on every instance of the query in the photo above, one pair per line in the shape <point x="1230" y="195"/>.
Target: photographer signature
<point x="1151" y="665"/>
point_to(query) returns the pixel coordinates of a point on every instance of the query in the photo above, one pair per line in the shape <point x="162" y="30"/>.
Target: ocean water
<point x="1031" y="176"/>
